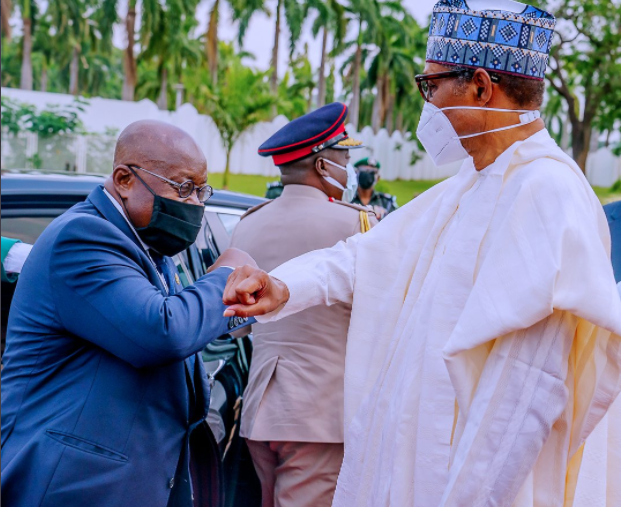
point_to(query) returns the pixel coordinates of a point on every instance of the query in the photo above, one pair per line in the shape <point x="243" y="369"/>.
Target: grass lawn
<point x="404" y="190"/>
<point x="257" y="185"/>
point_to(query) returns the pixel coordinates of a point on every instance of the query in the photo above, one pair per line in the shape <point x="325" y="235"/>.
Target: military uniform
<point x="274" y="189"/>
<point x="292" y="415"/>
<point x="381" y="203"/>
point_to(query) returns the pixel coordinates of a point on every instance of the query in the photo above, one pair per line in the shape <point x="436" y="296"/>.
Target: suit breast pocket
<point x="86" y="445"/>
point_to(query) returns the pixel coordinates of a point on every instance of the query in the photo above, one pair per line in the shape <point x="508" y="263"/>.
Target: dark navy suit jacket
<point x="613" y="212"/>
<point x="98" y="396"/>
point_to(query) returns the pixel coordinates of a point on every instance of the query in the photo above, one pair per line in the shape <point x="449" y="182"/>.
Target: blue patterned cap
<point x="492" y="38"/>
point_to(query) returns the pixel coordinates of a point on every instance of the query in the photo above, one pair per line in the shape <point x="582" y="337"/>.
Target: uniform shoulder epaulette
<point x="357" y="207"/>
<point x="255" y="208"/>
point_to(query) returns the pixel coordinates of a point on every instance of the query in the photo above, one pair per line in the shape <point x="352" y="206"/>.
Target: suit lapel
<point x="102" y="203"/>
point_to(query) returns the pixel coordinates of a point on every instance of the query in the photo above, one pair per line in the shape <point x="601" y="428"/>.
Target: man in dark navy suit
<point x="103" y="393"/>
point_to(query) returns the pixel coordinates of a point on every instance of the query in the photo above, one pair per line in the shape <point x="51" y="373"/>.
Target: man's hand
<point x="250" y="291"/>
<point x="233" y="258"/>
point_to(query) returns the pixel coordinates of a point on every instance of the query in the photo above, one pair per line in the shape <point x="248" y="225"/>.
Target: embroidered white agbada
<point x="484" y="344"/>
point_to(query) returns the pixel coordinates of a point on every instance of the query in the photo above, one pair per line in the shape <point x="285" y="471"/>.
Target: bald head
<point x="157" y="146"/>
<point x="150" y="146"/>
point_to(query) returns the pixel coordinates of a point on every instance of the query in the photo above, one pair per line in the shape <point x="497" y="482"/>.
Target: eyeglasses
<point x="186" y="189"/>
<point x="422" y="80"/>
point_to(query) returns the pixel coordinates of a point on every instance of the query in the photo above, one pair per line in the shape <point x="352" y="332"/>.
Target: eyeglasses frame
<point x="178" y="186"/>
<point x="420" y="78"/>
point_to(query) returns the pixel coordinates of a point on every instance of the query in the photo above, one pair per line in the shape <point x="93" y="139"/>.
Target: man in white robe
<point x="486" y="347"/>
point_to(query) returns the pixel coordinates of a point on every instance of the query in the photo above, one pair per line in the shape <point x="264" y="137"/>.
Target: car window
<point x="229" y="221"/>
<point x="28" y="229"/>
<point x="181" y="261"/>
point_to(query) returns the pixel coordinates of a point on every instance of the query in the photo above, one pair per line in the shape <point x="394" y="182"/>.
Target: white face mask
<point x="352" y="181"/>
<point x="438" y="137"/>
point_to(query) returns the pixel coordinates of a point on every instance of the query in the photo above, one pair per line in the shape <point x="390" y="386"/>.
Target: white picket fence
<point x="93" y="152"/>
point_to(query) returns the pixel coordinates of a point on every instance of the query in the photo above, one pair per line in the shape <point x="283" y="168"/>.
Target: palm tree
<point x="7" y="10"/>
<point x="240" y="99"/>
<point x="75" y="29"/>
<point x="28" y="9"/>
<point x="398" y="40"/>
<point x="294" y="12"/>
<point x="130" y="75"/>
<point x="330" y="18"/>
<point x="365" y="14"/>
<point x="169" y="42"/>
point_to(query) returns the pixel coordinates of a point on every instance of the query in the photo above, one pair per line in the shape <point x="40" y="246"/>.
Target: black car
<point x="31" y="200"/>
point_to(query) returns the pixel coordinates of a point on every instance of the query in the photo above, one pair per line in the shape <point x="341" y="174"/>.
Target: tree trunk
<point x="227" y="168"/>
<point x="74" y="71"/>
<point x="390" y="109"/>
<point x="399" y="122"/>
<point x="321" y="90"/>
<point x="7" y="8"/>
<point x="580" y="143"/>
<point x="309" y="103"/>
<point x="162" y="99"/>
<point x="377" y="119"/>
<point x="44" y="78"/>
<point x="129" y="60"/>
<point x="26" y="77"/>
<point x="354" y="107"/>
<point x="211" y="42"/>
<point x="274" y="63"/>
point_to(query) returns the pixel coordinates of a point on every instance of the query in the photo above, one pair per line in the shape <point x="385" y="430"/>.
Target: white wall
<point x="393" y="152"/>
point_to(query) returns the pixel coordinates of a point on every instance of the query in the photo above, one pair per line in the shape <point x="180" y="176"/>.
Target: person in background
<point x="613" y="213"/>
<point x="14" y="254"/>
<point x="292" y="415"/>
<point x="274" y="189"/>
<point x="368" y="177"/>
<point x="104" y="396"/>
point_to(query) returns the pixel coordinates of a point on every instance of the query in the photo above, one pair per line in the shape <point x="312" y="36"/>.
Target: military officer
<point x="293" y="407"/>
<point x="368" y="176"/>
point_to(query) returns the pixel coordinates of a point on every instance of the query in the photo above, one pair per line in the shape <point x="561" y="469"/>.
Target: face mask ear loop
<point x="141" y="180"/>
<point x="530" y="119"/>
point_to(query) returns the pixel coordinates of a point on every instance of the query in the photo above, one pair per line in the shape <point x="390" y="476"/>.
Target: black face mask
<point x="174" y="225"/>
<point x="366" y="179"/>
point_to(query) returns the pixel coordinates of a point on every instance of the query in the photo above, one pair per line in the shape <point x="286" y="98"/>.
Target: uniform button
<point x="171" y="483"/>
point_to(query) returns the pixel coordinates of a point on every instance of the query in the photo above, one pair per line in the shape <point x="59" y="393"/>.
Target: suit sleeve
<point x="106" y="298"/>
<point x="320" y="277"/>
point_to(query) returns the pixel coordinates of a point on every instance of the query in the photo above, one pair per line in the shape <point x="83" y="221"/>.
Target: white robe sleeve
<point x="521" y="394"/>
<point x="321" y="277"/>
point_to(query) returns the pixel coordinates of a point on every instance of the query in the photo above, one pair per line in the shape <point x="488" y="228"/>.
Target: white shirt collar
<point x="120" y="209"/>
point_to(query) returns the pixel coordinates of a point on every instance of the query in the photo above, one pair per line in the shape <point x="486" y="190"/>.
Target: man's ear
<point x="123" y="179"/>
<point x="483" y="85"/>
<point x="320" y="167"/>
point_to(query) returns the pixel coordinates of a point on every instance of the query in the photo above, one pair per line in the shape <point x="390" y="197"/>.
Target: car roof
<point x="50" y="183"/>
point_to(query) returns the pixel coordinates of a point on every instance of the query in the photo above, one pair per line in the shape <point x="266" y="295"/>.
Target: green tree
<point x="330" y="19"/>
<point x="585" y="67"/>
<point x="169" y="43"/>
<point x="240" y="99"/>
<point x="5" y="14"/>
<point x="365" y="15"/>
<point x="29" y="10"/>
<point x="294" y="12"/>
<point x="295" y="90"/>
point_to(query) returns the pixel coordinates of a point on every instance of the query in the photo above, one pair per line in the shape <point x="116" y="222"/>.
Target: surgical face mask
<point x="366" y="179"/>
<point x="349" y="192"/>
<point x="174" y="225"/>
<point x="440" y="140"/>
